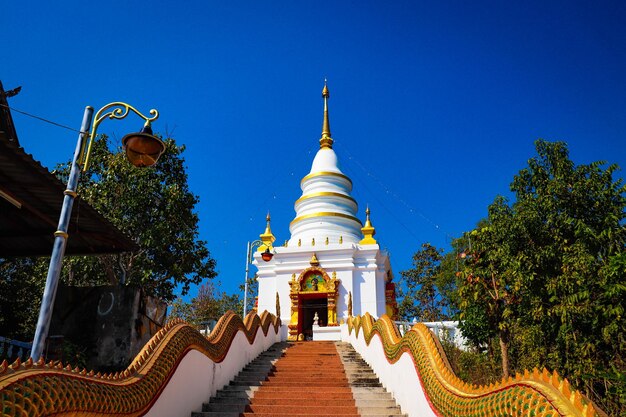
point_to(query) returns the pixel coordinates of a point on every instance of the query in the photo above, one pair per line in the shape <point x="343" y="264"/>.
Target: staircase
<point x="304" y="379"/>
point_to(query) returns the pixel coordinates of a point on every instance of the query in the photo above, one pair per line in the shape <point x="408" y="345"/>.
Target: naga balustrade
<point x="180" y="368"/>
<point x="145" y="387"/>
<point x="416" y="370"/>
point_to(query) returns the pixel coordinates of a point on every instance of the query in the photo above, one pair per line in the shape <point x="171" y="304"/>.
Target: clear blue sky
<point x="434" y="105"/>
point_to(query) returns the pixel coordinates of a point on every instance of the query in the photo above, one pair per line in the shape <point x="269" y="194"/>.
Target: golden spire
<point x="326" y="141"/>
<point x="267" y="237"/>
<point x="368" y="230"/>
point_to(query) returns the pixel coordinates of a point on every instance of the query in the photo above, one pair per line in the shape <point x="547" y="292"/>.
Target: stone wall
<point x="104" y="327"/>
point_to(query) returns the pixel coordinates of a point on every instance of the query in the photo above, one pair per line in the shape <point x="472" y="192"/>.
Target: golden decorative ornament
<point x="267" y="237"/>
<point x="368" y="230"/>
<point x="326" y="141"/>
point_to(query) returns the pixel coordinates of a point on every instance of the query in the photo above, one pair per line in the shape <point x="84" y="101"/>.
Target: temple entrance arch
<point x="312" y="291"/>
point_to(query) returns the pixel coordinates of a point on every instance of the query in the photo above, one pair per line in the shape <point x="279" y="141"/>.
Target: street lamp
<point x="142" y="149"/>
<point x="266" y="255"/>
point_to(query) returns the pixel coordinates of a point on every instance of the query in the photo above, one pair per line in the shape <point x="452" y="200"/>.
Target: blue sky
<point x="434" y="105"/>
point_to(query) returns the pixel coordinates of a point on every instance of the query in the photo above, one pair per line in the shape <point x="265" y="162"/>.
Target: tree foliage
<point x="21" y="286"/>
<point x="547" y="273"/>
<point x="421" y="287"/>
<point x="253" y="292"/>
<point x="208" y="306"/>
<point x="156" y="208"/>
<point x="489" y="288"/>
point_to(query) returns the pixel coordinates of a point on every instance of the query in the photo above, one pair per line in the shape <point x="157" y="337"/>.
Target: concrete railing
<point x="400" y="378"/>
<point x="11" y="350"/>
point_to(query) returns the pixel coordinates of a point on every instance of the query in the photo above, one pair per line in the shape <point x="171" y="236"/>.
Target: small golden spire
<point x="267" y="237"/>
<point x="314" y="261"/>
<point x="368" y="230"/>
<point x="326" y="141"/>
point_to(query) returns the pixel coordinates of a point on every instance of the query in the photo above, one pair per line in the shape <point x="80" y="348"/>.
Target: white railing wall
<point x="197" y="377"/>
<point x="400" y="378"/>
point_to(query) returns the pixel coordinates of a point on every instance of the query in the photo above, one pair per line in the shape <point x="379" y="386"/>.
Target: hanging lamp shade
<point x="143" y="149"/>
<point x="267" y="255"/>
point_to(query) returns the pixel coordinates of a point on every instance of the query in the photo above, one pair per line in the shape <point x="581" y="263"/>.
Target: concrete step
<point x="302" y="410"/>
<point x="226" y="400"/>
<point x="374" y="393"/>
<point x="237" y="388"/>
<point x="322" y="402"/>
<point x="290" y="414"/>
<point x="330" y="395"/>
<point x="221" y="407"/>
<point x="370" y="396"/>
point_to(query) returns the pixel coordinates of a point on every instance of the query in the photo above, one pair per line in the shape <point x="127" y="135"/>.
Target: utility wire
<point x="278" y="173"/>
<point x="388" y="191"/>
<point x="41" y="118"/>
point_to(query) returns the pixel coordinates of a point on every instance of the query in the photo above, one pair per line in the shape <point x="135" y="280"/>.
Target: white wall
<point x="197" y="377"/>
<point x="400" y="378"/>
<point x="360" y="268"/>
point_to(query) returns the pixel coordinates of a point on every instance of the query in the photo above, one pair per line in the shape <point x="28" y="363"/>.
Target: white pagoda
<point x="331" y="267"/>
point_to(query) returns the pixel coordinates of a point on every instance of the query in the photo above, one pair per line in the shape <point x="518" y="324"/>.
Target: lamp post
<point x="142" y="149"/>
<point x="266" y="256"/>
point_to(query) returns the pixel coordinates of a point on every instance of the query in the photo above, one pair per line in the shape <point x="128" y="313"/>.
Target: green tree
<point x="489" y="288"/>
<point x="156" y="208"/>
<point x="573" y="217"/>
<point x="21" y="285"/>
<point x="420" y="287"/>
<point x="549" y="274"/>
<point x="208" y="305"/>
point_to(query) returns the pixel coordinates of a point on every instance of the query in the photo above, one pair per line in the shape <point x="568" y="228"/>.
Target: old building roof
<point x="30" y="204"/>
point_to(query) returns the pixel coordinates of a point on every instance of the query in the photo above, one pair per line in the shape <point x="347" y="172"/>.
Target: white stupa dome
<point x="325" y="210"/>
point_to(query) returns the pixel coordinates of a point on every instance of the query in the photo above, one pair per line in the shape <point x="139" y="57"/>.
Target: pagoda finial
<point x="326" y="141"/>
<point x="267" y="237"/>
<point x="368" y="230"/>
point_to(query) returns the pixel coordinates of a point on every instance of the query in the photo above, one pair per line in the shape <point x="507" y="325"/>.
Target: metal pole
<point x="60" y="241"/>
<point x="245" y="285"/>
